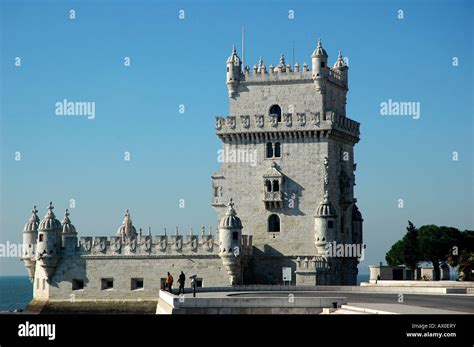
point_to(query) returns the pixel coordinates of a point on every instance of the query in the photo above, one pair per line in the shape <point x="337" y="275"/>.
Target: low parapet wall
<point x="442" y="287"/>
<point x="445" y="288"/>
<point x="225" y="304"/>
<point x="453" y="284"/>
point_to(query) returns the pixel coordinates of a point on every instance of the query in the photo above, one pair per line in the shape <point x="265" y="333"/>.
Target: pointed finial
<point x="177" y="231"/>
<point x="50" y="213"/>
<point x="234" y="51"/>
<point x="149" y="231"/>
<point x="191" y="232"/>
<point x="339" y="56"/>
<point x="203" y="230"/>
<point x="326" y="196"/>
<point x="260" y="61"/>
<point x="140" y="233"/>
<point x="165" y="231"/>
<point x="230" y="208"/>
<point x="34" y="217"/>
<point x="319" y="42"/>
<point x="66" y="213"/>
<point x="210" y="230"/>
<point x="282" y="59"/>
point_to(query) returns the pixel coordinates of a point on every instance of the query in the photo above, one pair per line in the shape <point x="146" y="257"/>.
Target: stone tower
<point x="49" y="243"/>
<point x="30" y="235"/>
<point x="230" y="242"/>
<point x="288" y="161"/>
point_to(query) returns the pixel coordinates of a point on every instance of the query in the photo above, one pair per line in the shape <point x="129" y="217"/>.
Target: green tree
<point x="394" y="256"/>
<point x="462" y="256"/>
<point x="436" y="244"/>
<point x="410" y="248"/>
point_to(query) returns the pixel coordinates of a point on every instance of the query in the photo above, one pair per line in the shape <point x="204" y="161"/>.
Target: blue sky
<point x="177" y="62"/>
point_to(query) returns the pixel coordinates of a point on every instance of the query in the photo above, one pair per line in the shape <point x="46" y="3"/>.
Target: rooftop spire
<point x="50" y="213"/>
<point x="126" y="218"/>
<point x="282" y="59"/>
<point x="230" y="209"/>
<point x="66" y="219"/>
<point x="319" y="51"/>
<point x="34" y="216"/>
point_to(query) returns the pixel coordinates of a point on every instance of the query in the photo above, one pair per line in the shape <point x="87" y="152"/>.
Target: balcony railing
<point x="272" y="196"/>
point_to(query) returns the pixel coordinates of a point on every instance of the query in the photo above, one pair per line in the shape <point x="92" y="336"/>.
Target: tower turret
<point x="234" y="71"/>
<point x="49" y="242"/>
<point x="357" y="221"/>
<point x="127" y="231"/>
<point x="69" y="234"/>
<point x="319" y="59"/>
<point x="324" y="225"/>
<point x="230" y="241"/>
<point x="341" y="66"/>
<point x="30" y="234"/>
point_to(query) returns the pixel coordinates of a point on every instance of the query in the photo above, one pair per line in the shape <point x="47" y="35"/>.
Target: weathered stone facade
<point x="293" y="122"/>
<point x="287" y="163"/>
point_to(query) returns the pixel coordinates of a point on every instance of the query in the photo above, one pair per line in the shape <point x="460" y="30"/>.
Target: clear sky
<point x="177" y="61"/>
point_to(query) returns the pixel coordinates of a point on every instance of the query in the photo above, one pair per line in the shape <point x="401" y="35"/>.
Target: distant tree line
<point x="435" y="244"/>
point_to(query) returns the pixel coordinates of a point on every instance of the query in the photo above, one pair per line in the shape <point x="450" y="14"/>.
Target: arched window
<point x="275" y="109"/>
<point x="268" y="184"/>
<point x="276" y="186"/>
<point x="273" y="223"/>
<point x="269" y="150"/>
<point x="277" y="150"/>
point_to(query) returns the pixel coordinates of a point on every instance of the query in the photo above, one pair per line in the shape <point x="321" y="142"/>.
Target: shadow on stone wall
<point x="266" y="267"/>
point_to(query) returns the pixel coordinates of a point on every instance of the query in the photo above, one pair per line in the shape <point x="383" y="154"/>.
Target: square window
<point x="198" y="282"/>
<point x="77" y="284"/>
<point x="137" y="283"/>
<point x="235" y="236"/>
<point x="330" y="224"/>
<point x="107" y="283"/>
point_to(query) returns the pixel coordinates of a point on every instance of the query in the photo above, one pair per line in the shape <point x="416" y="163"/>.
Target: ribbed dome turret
<point x="67" y="228"/>
<point x="325" y="208"/>
<point x="233" y="58"/>
<point x="33" y="223"/>
<point x="340" y="64"/>
<point x="49" y="221"/>
<point x="230" y="220"/>
<point x="319" y="51"/>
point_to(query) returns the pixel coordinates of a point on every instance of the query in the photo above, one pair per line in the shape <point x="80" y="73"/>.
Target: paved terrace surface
<point x="431" y="303"/>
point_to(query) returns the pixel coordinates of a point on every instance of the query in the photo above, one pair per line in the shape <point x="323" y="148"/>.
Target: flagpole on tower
<point x="243" y="48"/>
<point x="293" y="53"/>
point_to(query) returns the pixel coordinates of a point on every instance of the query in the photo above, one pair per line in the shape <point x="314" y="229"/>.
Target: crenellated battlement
<point x="145" y="245"/>
<point x="247" y="126"/>
<point x="288" y="75"/>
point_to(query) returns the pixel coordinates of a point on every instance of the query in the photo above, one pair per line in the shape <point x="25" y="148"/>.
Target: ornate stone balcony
<point x="273" y="199"/>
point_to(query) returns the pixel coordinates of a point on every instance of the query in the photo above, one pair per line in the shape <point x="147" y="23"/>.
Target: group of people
<point x="168" y="284"/>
